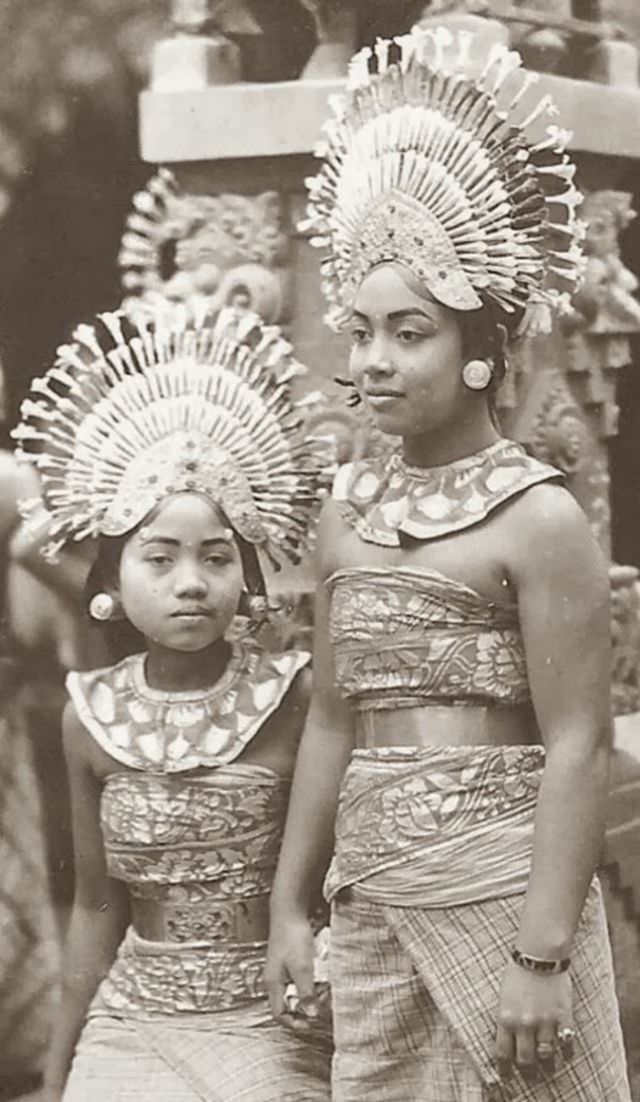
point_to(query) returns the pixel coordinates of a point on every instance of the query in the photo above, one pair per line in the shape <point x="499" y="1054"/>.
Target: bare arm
<point x="563" y="596"/>
<point x="68" y="574"/>
<point x="325" y="749"/>
<point x="565" y="616"/>
<point x="99" y="910"/>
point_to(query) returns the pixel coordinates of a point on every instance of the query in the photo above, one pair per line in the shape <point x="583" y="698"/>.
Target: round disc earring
<point x="101" y="606"/>
<point x="477" y="374"/>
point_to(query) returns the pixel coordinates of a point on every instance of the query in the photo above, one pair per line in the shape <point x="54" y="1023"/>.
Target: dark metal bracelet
<point x="539" y="964"/>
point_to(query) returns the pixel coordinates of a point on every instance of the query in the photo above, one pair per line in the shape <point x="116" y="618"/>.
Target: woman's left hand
<point x="535" y="1019"/>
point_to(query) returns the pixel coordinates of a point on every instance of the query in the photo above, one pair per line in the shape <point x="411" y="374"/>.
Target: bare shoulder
<point x="548" y="533"/>
<point x="294" y="706"/>
<point x="549" y="504"/>
<point x="300" y="690"/>
<point x="331" y="529"/>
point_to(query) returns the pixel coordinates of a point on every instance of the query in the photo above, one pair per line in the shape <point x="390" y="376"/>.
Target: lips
<point x="381" y="397"/>
<point x="190" y="613"/>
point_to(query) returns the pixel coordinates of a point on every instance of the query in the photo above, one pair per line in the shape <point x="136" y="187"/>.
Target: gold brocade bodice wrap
<point x="193" y="833"/>
<point x="198" y="855"/>
<point x="420" y="824"/>
<point x="436" y="828"/>
<point x="404" y="637"/>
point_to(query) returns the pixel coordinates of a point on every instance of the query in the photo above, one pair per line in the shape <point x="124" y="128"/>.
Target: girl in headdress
<point x="460" y="708"/>
<point x="179" y="448"/>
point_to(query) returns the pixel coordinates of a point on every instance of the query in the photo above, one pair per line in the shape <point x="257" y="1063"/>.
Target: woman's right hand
<point x="290" y="959"/>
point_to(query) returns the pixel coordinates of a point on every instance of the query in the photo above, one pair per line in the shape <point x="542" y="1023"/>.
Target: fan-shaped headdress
<point x="449" y="173"/>
<point x="144" y="406"/>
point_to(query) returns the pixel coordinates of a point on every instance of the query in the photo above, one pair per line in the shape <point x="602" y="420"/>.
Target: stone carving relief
<point x="560" y="397"/>
<point x="625" y="631"/>
<point x="560" y="434"/>
<point x="553" y="36"/>
<point x="227" y="249"/>
<point x="597" y="485"/>
<point x="348" y="433"/>
<point x="604" y="312"/>
<point x="607" y="301"/>
<point x="575" y="398"/>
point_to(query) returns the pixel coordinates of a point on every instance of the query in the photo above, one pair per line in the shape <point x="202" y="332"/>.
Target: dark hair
<point x="485" y="336"/>
<point x="104" y="576"/>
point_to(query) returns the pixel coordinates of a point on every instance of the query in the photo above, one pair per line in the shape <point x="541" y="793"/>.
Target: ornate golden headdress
<point x="428" y="165"/>
<point x="146" y="405"/>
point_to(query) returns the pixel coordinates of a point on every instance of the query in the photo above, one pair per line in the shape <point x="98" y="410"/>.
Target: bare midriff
<point x="446" y="725"/>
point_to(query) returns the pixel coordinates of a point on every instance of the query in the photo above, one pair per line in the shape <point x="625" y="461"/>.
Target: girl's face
<point x="406" y="356"/>
<point x="181" y="575"/>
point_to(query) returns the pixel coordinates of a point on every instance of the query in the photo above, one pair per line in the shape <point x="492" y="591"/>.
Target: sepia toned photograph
<point x="320" y="539"/>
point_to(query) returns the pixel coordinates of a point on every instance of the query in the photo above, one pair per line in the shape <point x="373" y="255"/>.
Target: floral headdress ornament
<point x="452" y="174"/>
<point x="143" y="406"/>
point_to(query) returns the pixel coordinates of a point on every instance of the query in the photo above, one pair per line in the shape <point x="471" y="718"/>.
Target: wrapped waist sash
<point x="212" y="920"/>
<point x="436" y="827"/>
<point x="170" y="978"/>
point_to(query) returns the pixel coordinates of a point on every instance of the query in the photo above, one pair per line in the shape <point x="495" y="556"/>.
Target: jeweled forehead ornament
<point x="142" y="407"/>
<point x="449" y="173"/>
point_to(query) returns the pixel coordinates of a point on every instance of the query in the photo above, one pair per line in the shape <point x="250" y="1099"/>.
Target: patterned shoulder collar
<point x="161" y="732"/>
<point x="384" y="497"/>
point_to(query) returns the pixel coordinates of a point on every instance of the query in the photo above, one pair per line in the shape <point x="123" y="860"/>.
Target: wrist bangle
<point x="539" y="964"/>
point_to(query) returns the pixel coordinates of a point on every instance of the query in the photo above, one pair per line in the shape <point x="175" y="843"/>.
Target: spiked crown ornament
<point x="450" y="174"/>
<point x="144" y="406"/>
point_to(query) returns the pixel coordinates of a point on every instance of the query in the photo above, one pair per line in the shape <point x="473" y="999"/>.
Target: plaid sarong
<point x="415" y="994"/>
<point x="415" y="975"/>
<point x="242" y="1056"/>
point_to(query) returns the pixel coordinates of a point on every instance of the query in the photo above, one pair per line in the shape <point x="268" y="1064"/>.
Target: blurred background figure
<point x="29" y="950"/>
<point x="68" y="166"/>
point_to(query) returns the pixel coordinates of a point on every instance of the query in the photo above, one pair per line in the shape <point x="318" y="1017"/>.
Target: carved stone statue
<point x="607" y="300"/>
<point x="224" y="248"/>
<point x="560" y="434"/>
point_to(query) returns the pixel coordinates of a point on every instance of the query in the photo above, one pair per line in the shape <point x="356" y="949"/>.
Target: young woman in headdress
<point x="460" y="707"/>
<point x="179" y="448"/>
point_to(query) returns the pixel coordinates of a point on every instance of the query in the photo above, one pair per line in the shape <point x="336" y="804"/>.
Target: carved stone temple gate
<point x="222" y="222"/>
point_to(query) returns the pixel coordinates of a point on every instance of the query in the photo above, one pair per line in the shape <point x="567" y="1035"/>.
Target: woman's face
<point x="406" y="356"/>
<point x="181" y="575"/>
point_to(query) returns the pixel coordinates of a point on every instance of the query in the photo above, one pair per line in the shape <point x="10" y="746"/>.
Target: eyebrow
<point x="176" y="543"/>
<point x="396" y="315"/>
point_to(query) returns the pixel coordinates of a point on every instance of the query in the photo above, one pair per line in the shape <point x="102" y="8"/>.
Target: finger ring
<point x="545" y="1049"/>
<point x="566" y="1036"/>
